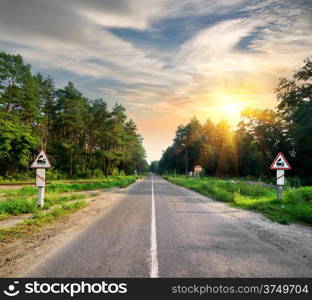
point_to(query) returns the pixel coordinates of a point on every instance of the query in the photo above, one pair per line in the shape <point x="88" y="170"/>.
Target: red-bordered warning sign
<point x="280" y="163"/>
<point x="41" y="161"/>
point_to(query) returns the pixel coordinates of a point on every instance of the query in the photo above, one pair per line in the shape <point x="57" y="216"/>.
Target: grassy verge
<point x="30" y="226"/>
<point x="24" y="200"/>
<point x="296" y="205"/>
<point x="109" y="183"/>
<point x="116" y="181"/>
<point x="16" y="206"/>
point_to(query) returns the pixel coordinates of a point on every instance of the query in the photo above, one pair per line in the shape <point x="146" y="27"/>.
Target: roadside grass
<point x="72" y="187"/>
<point x="55" y="199"/>
<point x="74" y="180"/>
<point x="21" y="205"/>
<point x="295" y="206"/>
<point x="30" y="226"/>
<point x="23" y="191"/>
<point x="24" y="200"/>
<point x="18" y="205"/>
<point x="113" y="181"/>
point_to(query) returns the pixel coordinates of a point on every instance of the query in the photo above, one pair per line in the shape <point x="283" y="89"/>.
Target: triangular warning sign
<point x="280" y="163"/>
<point x="41" y="161"/>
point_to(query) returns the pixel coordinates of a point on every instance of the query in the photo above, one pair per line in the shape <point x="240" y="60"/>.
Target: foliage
<point x="295" y="103"/>
<point x="81" y="136"/>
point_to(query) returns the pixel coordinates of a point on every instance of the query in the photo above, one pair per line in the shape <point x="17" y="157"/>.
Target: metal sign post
<point x="280" y="164"/>
<point x="40" y="163"/>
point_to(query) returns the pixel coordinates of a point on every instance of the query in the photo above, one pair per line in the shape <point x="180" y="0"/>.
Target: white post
<point x="280" y="181"/>
<point x="40" y="183"/>
<point x="41" y="197"/>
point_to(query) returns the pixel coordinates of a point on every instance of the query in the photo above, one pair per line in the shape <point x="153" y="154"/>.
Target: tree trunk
<point x="106" y="167"/>
<point x="93" y="160"/>
<point x="71" y="163"/>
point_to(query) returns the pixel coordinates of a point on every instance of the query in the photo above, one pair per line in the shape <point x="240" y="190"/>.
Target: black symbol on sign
<point x="41" y="160"/>
<point x="280" y="163"/>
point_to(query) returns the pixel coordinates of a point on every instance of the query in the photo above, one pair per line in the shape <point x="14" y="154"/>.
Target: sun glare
<point x="230" y="108"/>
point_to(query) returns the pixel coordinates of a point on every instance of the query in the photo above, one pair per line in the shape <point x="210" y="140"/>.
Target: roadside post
<point x="197" y="170"/>
<point x="40" y="163"/>
<point x="280" y="164"/>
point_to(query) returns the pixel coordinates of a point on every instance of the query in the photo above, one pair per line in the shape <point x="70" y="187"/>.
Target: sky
<point x="165" y="61"/>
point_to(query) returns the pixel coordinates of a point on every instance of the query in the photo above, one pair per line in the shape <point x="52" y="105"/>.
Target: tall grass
<point x="296" y="205"/>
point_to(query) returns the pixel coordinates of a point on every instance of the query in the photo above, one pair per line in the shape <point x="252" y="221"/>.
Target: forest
<point x="249" y="149"/>
<point x="81" y="136"/>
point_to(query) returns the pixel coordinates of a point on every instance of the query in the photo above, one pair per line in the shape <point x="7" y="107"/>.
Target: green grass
<point x="296" y="205"/>
<point x="55" y="199"/>
<point x="30" y="226"/>
<point x="23" y="191"/>
<point x="24" y="200"/>
<point x="122" y="181"/>
<point x="63" y="186"/>
<point x="16" y="206"/>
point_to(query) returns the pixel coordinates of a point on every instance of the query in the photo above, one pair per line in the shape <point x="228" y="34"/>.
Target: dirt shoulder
<point x="17" y="256"/>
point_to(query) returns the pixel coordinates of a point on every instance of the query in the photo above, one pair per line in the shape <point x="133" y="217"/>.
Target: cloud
<point x="279" y="39"/>
<point x="235" y="49"/>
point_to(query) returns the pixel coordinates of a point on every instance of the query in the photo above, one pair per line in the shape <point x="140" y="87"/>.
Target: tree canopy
<point x="81" y="136"/>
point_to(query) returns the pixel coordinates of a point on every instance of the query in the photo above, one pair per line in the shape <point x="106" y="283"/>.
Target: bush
<point x="55" y="175"/>
<point x="98" y="173"/>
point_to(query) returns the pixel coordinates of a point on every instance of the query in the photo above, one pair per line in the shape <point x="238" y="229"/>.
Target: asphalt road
<point x="190" y="236"/>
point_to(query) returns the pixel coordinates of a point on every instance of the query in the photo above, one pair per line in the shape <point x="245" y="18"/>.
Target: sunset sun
<point x="229" y="107"/>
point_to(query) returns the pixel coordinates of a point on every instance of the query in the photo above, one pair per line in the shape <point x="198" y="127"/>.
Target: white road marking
<point x="154" y="261"/>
